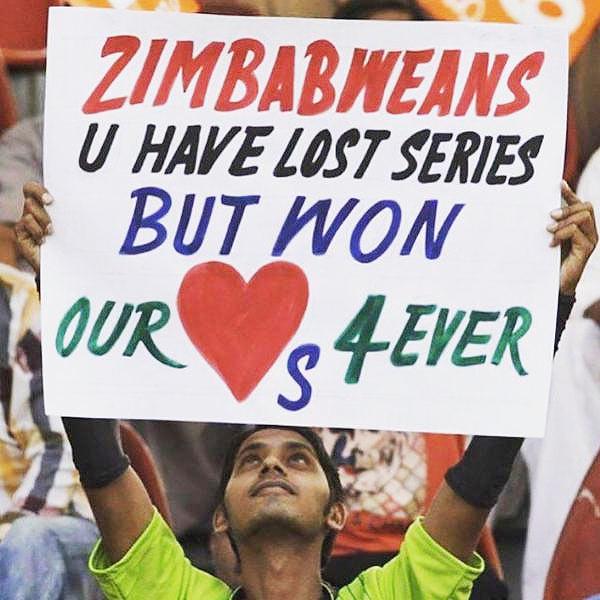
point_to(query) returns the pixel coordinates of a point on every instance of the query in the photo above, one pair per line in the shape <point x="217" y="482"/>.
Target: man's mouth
<point x="272" y="485"/>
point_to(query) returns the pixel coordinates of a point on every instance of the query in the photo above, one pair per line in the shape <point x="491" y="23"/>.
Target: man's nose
<point x="272" y="463"/>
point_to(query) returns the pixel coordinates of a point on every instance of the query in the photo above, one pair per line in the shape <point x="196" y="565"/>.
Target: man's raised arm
<point x="117" y="496"/>
<point x="462" y="504"/>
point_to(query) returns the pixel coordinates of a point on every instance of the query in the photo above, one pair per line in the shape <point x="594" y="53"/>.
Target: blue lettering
<point x="138" y="221"/>
<point x="385" y="243"/>
<point x="239" y="203"/>
<point x="321" y="238"/>
<point x="195" y="244"/>
<point x="433" y="245"/>
<point x="312" y="352"/>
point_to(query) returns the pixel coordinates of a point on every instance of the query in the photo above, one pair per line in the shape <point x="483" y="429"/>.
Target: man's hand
<point x="575" y="230"/>
<point x="35" y="223"/>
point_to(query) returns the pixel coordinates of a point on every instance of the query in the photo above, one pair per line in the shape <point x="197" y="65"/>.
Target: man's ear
<point x="337" y="516"/>
<point x="220" y="520"/>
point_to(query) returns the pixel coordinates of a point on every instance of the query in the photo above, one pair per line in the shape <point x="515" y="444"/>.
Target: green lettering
<point x="144" y="329"/>
<point x="409" y="333"/>
<point x="470" y="337"/>
<point x="361" y="327"/>
<point x="442" y="335"/>
<point x="510" y="337"/>
<point x="100" y="349"/>
<point x="81" y="308"/>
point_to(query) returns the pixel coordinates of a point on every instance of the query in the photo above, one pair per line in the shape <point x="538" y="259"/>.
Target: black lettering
<point x="416" y="140"/>
<point x="502" y="158"/>
<point x="433" y="156"/>
<point x="249" y="150"/>
<point x="530" y="149"/>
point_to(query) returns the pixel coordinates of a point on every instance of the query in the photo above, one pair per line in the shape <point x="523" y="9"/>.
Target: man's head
<point x="387" y="10"/>
<point x="246" y="8"/>
<point x="280" y="480"/>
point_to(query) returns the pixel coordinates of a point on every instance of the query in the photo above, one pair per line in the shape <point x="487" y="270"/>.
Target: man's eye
<point x="299" y="458"/>
<point x="249" y="459"/>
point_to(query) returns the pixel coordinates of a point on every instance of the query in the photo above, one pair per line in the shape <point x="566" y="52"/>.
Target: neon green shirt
<point x="156" y="568"/>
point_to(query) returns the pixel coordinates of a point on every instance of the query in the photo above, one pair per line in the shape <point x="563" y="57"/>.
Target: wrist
<point x="97" y="451"/>
<point x="567" y="289"/>
<point x="480" y="476"/>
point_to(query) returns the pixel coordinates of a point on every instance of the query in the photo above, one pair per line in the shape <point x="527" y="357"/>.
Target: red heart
<point x="241" y="328"/>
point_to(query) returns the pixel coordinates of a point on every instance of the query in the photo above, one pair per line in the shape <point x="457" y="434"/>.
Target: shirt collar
<point x="328" y="593"/>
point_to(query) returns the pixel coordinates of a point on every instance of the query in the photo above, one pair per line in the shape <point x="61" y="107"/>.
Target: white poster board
<point x="302" y="222"/>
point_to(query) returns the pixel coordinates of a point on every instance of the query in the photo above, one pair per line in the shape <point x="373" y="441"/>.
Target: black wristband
<point x="97" y="452"/>
<point x="565" y="306"/>
<point x="484" y="469"/>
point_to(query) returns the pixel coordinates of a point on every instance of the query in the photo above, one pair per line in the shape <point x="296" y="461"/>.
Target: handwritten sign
<point x="302" y="221"/>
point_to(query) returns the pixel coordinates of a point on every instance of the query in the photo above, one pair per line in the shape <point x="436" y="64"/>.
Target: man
<point x="46" y="527"/>
<point x="281" y="501"/>
<point x="386" y="10"/>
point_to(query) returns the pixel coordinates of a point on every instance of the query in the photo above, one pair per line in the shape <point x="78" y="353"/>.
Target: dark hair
<point x="226" y="7"/>
<point x="362" y="9"/>
<point x="336" y="492"/>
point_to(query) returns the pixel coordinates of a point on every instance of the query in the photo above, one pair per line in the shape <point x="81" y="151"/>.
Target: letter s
<point x="312" y="352"/>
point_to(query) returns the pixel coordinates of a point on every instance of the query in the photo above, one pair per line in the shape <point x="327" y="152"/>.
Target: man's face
<point x="391" y="14"/>
<point x="277" y="481"/>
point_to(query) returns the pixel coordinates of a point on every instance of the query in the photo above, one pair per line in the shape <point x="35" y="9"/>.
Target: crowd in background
<point x="46" y="528"/>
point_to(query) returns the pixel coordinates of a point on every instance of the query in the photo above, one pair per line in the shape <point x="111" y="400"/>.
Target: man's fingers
<point x="562" y="213"/>
<point x="36" y="191"/>
<point x="28" y="247"/>
<point x="578" y="239"/>
<point x="583" y="219"/>
<point x="39" y="213"/>
<point x="569" y="196"/>
<point x="33" y="228"/>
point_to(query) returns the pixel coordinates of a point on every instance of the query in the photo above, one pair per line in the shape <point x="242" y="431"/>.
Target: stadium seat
<point x="143" y="464"/>
<point x="8" y="103"/>
<point x="23" y="29"/>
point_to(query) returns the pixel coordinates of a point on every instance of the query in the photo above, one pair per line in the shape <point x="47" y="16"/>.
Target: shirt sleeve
<point x="422" y="570"/>
<point x="51" y="479"/>
<point x="154" y="567"/>
<point x="20" y="161"/>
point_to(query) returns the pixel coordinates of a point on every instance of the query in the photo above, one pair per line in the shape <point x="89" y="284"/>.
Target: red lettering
<point x="280" y="87"/>
<point x="407" y="80"/>
<point x="324" y="59"/>
<point x="141" y="86"/>
<point x="372" y="76"/>
<point x="441" y="91"/>
<point x="127" y="46"/>
<point x="243" y="73"/>
<point x="481" y="85"/>
<point x="182" y="61"/>
<point x="528" y="68"/>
